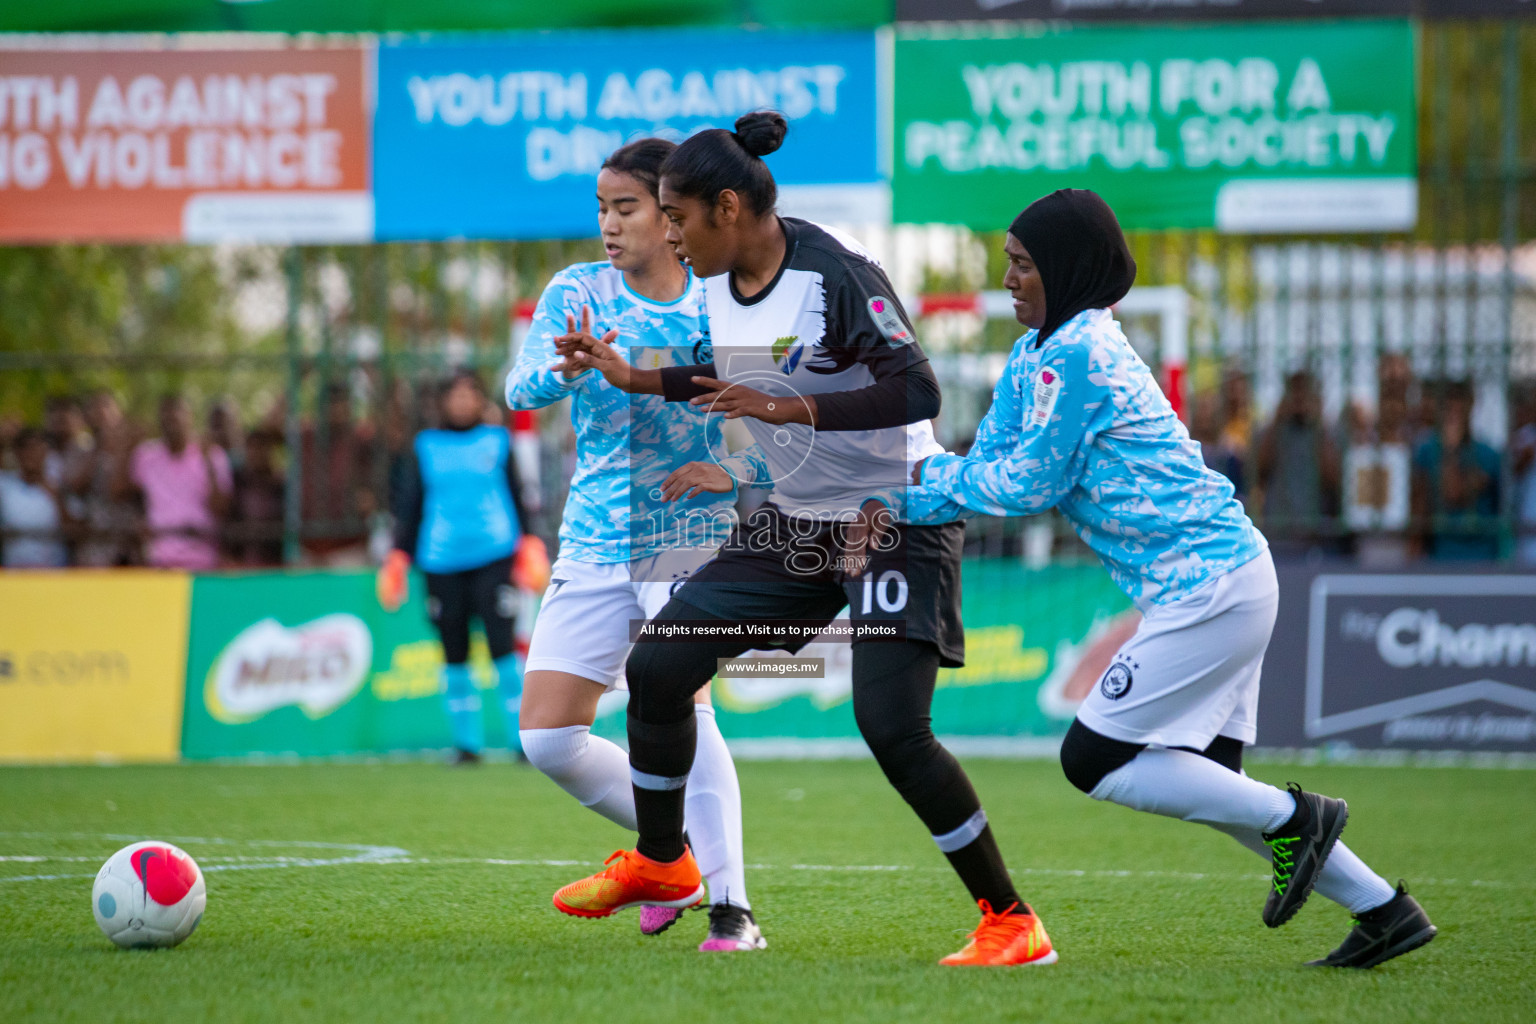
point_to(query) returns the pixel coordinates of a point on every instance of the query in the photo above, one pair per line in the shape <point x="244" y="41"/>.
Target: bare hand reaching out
<point x="871" y="531"/>
<point x="696" y="478"/>
<point x="580" y="350"/>
<point x="579" y="341"/>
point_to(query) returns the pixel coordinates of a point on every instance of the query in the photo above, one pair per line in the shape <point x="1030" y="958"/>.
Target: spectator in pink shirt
<point x="186" y="485"/>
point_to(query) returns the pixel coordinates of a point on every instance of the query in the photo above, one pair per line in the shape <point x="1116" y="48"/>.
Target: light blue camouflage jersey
<point x="1079" y="423"/>
<point x="626" y="445"/>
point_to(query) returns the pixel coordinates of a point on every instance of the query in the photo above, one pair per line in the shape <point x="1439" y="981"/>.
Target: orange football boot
<point x="632" y="879"/>
<point x="1003" y="940"/>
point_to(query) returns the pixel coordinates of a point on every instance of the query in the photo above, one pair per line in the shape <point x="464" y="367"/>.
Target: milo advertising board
<point x="308" y="664"/>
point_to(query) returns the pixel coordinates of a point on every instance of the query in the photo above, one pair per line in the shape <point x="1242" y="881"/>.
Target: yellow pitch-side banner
<point x="92" y="665"/>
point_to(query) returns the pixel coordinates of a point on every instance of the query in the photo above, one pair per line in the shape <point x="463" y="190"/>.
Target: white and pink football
<point x="148" y="895"/>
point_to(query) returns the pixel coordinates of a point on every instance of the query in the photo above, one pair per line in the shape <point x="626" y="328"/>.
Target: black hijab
<point x="1077" y="246"/>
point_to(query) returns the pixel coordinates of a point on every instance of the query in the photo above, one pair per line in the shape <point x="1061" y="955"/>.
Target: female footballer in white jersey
<point x="623" y="549"/>
<point x="816" y="356"/>
<point x="1078" y="423"/>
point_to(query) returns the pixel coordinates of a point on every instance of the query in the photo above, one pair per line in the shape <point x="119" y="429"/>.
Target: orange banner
<point x="204" y="145"/>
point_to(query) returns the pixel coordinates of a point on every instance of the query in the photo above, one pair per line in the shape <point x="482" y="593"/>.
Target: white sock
<point x="1345" y="878"/>
<point x="712" y="809"/>
<point x="593" y="770"/>
<point x="1179" y="784"/>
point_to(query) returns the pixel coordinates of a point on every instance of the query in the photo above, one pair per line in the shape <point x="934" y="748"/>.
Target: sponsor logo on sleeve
<point x="888" y="320"/>
<point x="1047" y="390"/>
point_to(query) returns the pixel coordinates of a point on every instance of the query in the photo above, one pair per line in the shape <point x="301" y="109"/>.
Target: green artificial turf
<point x="1155" y="920"/>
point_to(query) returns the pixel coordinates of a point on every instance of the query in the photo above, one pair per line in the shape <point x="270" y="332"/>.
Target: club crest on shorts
<point x="888" y="321"/>
<point x="1116" y="682"/>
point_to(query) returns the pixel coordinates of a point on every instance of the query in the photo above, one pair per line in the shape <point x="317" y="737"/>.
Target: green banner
<point x="308" y="664"/>
<point x="1282" y="127"/>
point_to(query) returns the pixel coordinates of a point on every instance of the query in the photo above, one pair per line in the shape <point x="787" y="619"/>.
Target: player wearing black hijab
<point x="1079" y="256"/>
<point x="1079" y="424"/>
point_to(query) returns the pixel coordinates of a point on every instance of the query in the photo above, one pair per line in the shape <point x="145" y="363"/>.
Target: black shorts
<point x="485" y="593"/>
<point x="776" y="567"/>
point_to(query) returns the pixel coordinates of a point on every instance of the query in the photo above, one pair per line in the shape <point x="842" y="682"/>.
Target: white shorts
<point x="584" y="620"/>
<point x="1191" y="671"/>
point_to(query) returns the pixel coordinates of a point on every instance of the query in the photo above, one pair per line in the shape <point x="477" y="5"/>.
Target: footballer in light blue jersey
<point x="624" y="545"/>
<point x="626" y="445"/>
<point x="1078" y="423"/>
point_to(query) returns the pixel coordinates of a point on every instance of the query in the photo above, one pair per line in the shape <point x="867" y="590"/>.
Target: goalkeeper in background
<point x="459" y="516"/>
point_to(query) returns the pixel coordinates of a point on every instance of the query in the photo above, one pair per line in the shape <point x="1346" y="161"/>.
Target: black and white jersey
<point x="828" y="325"/>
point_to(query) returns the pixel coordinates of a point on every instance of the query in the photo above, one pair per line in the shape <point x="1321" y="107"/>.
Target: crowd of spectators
<point x="88" y="486"/>
<point x="1388" y="484"/>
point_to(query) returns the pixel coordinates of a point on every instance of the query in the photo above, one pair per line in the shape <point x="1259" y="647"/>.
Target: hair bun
<point x="760" y="132"/>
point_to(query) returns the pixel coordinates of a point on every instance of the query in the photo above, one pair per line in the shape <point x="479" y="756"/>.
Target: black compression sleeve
<point x="907" y="395"/>
<point x="865" y="324"/>
<point x="677" y="381"/>
<point x="408" y="507"/>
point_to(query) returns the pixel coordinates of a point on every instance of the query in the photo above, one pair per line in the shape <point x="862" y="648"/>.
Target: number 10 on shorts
<point x="889" y="591"/>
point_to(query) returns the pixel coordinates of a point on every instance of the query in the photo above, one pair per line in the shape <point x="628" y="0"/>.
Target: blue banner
<point x="503" y="137"/>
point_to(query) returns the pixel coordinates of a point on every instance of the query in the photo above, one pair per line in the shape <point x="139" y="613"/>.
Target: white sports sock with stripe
<point x="712" y="809"/>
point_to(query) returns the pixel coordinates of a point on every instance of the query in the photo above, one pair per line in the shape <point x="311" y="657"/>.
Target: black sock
<point x="663" y="678"/>
<point x="892" y="692"/>
<point x="980" y="866"/>
<point x="661" y="820"/>
<point x="660" y="756"/>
